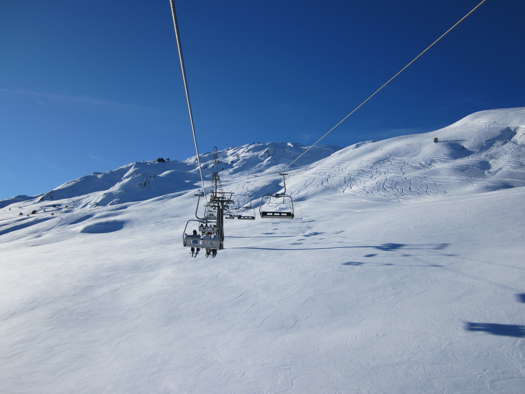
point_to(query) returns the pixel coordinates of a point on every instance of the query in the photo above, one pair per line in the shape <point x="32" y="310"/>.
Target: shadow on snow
<point x="507" y="330"/>
<point x="388" y="247"/>
<point x="104" y="227"/>
<point x="23" y="225"/>
<point x="261" y="236"/>
<point x="358" y="263"/>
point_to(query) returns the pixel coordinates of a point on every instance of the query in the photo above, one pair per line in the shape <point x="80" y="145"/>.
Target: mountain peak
<point x="261" y="157"/>
<point x="482" y="152"/>
<point x="139" y="181"/>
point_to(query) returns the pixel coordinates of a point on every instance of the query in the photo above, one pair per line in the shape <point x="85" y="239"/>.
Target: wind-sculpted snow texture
<point x="371" y="289"/>
<point x="482" y="152"/>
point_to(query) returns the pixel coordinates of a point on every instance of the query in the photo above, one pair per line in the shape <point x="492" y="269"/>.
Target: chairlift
<point x="278" y="205"/>
<point x="200" y="234"/>
<point x="246" y="217"/>
<point x="241" y="212"/>
<point x="248" y="213"/>
<point x="229" y="212"/>
<point x="210" y="213"/>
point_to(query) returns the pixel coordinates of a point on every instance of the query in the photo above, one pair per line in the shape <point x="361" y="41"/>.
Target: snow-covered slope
<point x="482" y="152"/>
<point x="371" y="289"/>
<point x="133" y="182"/>
<point x="19" y="198"/>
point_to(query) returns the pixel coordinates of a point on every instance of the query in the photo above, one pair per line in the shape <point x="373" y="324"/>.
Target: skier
<point x="214" y="237"/>
<point x="206" y="237"/>
<point x="195" y="251"/>
<point x="211" y="235"/>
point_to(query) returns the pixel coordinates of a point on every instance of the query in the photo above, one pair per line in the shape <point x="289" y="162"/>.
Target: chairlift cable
<point x="388" y="82"/>
<point x="187" y="91"/>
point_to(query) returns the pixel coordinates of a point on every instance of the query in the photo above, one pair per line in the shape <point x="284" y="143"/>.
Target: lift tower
<point x="219" y="200"/>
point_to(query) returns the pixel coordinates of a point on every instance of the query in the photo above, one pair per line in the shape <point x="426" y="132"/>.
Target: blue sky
<point x="89" y="86"/>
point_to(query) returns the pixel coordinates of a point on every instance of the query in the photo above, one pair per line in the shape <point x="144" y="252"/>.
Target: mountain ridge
<point x="483" y="151"/>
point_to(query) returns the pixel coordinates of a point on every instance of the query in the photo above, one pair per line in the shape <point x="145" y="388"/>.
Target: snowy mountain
<point x="262" y="157"/>
<point x="144" y="180"/>
<point x="132" y="182"/>
<point x="402" y="272"/>
<point x="482" y="152"/>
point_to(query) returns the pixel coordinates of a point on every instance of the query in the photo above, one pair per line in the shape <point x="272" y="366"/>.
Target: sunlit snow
<point x="403" y="272"/>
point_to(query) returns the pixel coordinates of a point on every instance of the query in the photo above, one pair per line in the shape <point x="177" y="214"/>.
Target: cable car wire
<point x="388" y="82"/>
<point x="187" y="91"/>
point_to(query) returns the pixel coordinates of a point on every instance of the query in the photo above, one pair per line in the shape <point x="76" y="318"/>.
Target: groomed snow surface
<point x="403" y="272"/>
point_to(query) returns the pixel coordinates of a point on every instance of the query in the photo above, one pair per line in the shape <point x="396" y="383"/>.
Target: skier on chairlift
<point x="214" y="237"/>
<point x="210" y="235"/>
<point x="195" y="251"/>
<point x="207" y="235"/>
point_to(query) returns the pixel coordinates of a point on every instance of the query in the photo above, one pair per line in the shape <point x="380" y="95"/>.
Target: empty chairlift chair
<point x="278" y="205"/>
<point x="246" y="211"/>
<point x="210" y="213"/>
<point x="247" y="216"/>
<point x="229" y="215"/>
<point x="231" y="211"/>
<point x="241" y="209"/>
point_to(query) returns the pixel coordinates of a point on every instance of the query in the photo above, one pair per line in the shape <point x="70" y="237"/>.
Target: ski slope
<point x="482" y="152"/>
<point x="371" y="289"/>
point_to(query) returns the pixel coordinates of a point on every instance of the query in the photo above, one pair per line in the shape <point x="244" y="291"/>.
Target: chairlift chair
<point x="205" y="237"/>
<point x="230" y="214"/>
<point x="245" y="212"/>
<point x="248" y="213"/>
<point x="205" y="228"/>
<point x="278" y="205"/>
<point x="246" y="217"/>
<point x="210" y="213"/>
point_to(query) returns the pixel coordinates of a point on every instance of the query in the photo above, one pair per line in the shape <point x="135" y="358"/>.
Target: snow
<point x="382" y="283"/>
<point x="482" y="152"/>
<point x="5" y="203"/>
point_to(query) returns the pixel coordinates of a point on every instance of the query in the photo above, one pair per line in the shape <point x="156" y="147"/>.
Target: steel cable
<point x="388" y="82"/>
<point x="187" y="91"/>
